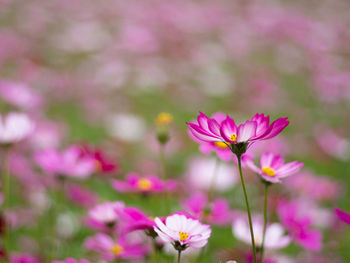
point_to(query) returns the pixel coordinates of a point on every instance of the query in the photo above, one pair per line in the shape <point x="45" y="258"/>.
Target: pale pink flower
<point x="71" y="260"/>
<point x="275" y="237"/>
<point x="182" y="231"/>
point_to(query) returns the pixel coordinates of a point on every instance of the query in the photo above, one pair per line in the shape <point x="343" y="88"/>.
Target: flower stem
<point x="265" y="223"/>
<point x="178" y="256"/>
<point x="6" y="184"/>
<point x="213" y="180"/>
<point x="155" y="251"/>
<point x="248" y="208"/>
<point x="164" y="174"/>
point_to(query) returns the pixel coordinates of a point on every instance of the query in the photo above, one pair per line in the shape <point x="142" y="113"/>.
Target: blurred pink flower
<point x="81" y="196"/>
<point x="182" y="231"/>
<point x="272" y="167"/>
<point x="23" y="258"/>
<point x="71" y="260"/>
<point x="298" y="226"/>
<point x="275" y="237"/>
<point x="216" y="212"/>
<point x="66" y="163"/>
<point x="145" y="184"/>
<point x="112" y="249"/>
<point x="259" y="128"/>
<point x="104" y="215"/>
<point x="342" y="215"/>
<point x="14" y="127"/>
<point x="315" y="187"/>
<point x="135" y="219"/>
<point x="103" y="164"/>
<point x="20" y="95"/>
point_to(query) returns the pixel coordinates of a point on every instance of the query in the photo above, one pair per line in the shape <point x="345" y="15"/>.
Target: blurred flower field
<point x="174" y="131"/>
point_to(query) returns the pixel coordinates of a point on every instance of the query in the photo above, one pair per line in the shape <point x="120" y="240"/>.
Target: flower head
<point x="105" y="213"/>
<point x="298" y="226"/>
<point x="272" y="167"/>
<point x="112" y="249"/>
<point x="238" y="137"/>
<point x="14" y="127"/>
<point x="143" y="184"/>
<point x="135" y="219"/>
<point x="342" y="215"/>
<point x="103" y="164"/>
<point x="182" y="231"/>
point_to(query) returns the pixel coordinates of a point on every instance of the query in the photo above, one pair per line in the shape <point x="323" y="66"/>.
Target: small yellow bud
<point x="164" y="118"/>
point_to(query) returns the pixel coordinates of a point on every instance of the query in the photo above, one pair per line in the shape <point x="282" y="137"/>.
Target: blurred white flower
<point x="14" y="127"/>
<point x="126" y="127"/>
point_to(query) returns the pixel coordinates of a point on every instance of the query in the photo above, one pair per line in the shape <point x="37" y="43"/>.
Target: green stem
<point x="248" y="208"/>
<point x="178" y="256"/>
<point x="155" y="250"/>
<point x="6" y="203"/>
<point x="265" y="223"/>
<point x="164" y="174"/>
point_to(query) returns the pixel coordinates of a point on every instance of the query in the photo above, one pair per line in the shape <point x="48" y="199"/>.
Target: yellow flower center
<point x="144" y="184"/>
<point x="221" y="145"/>
<point x="117" y="249"/>
<point x="164" y="118"/>
<point x="233" y="137"/>
<point x="183" y="236"/>
<point x="268" y="171"/>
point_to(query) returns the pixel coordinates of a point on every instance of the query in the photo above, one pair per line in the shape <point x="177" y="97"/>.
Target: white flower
<point x="183" y="231"/>
<point x="14" y="127"/>
<point x="274" y="237"/>
<point x="106" y="212"/>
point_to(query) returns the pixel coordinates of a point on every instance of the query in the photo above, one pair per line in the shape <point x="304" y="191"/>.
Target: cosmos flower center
<point x="268" y="171"/>
<point x="233" y="137"/>
<point x="183" y="236"/>
<point x="220" y="145"/>
<point x="117" y="249"/>
<point x="144" y="184"/>
<point x="98" y="165"/>
<point x="164" y="118"/>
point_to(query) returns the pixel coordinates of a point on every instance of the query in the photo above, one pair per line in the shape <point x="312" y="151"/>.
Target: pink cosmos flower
<point x="105" y="214"/>
<point x="23" y="258"/>
<point x="182" y="231"/>
<point x="14" y="127"/>
<point x="275" y="237"/>
<point x="299" y="226"/>
<point x="103" y="164"/>
<point x="272" y="167"/>
<point x="71" y="260"/>
<point x="66" y="163"/>
<point x="342" y="215"/>
<point x="112" y="249"/>
<point x="135" y="219"/>
<point x="217" y="212"/>
<point x="222" y="151"/>
<point x="20" y="95"/>
<point x="81" y="196"/>
<point x="258" y="128"/>
<point x="146" y="184"/>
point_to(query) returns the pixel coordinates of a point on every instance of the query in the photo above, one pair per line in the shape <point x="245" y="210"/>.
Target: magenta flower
<point x="146" y="184"/>
<point x="258" y="128"/>
<point x="217" y="212"/>
<point x="299" y="226"/>
<point x="272" y="167"/>
<point x="23" y="258"/>
<point x="71" y="260"/>
<point x="112" y="249"/>
<point x="103" y="164"/>
<point x="81" y="196"/>
<point x="15" y="127"/>
<point x="342" y="215"/>
<point x="135" y="219"/>
<point x="220" y="148"/>
<point x="67" y="163"/>
<point x="182" y="231"/>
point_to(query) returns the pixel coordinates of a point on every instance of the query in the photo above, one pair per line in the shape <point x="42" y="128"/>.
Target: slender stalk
<point x="6" y="184"/>
<point x="178" y="256"/>
<point x="155" y="251"/>
<point x="248" y="207"/>
<point x="265" y="224"/>
<point x="164" y="174"/>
